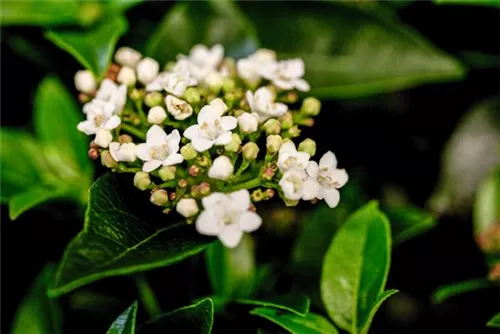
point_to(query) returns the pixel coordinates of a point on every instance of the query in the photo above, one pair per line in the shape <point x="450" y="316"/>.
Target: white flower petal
<point x="283" y="84"/>
<point x="113" y="149"/>
<point x="302" y="159"/>
<point x="156" y="136"/>
<point x="143" y="152"/>
<point x="332" y="197"/>
<point x="151" y="165"/>
<point x="207" y="114"/>
<point x="202" y="144"/>
<point x="277" y="109"/>
<point x="231" y="235"/>
<point x="208" y="223"/>
<point x="103" y="138"/>
<point x="173" y="159"/>
<point x="310" y="189"/>
<point x="249" y="221"/>
<point x="87" y="127"/>
<point x="224" y="138"/>
<point x="240" y="200"/>
<point x="191" y="132"/>
<point x="288" y="147"/>
<point x="328" y="160"/>
<point x="340" y="175"/>
<point x="302" y="85"/>
<point x="249" y="98"/>
<point x="112" y="122"/>
<point x="228" y="122"/>
<point x="312" y="169"/>
<point x="293" y="68"/>
<point x="214" y="199"/>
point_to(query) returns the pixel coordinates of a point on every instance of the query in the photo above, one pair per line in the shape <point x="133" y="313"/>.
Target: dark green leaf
<point x="232" y="271"/>
<point x="480" y="60"/>
<point x="125" y="323"/>
<point x="493" y="3"/>
<point x="348" y="51"/>
<point x="355" y="268"/>
<point x="381" y="298"/>
<point x="196" y="318"/>
<point x="39" y="13"/>
<point x="121" y="237"/>
<point x="487" y="202"/>
<point x="92" y="48"/>
<point x="455" y="289"/>
<point x="207" y="22"/>
<point x="295" y="324"/>
<point x="495" y="321"/>
<point x="122" y="5"/>
<point x="408" y="222"/>
<point x="297" y="304"/>
<point x="37" y="312"/>
<point x="32" y="197"/>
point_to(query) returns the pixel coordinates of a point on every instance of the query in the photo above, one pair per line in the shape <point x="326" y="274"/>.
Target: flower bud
<point x="182" y="183"/>
<point x="269" y="193"/>
<point x="311" y="106"/>
<point x="187" y="207"/>
<point x="204" y="188"/>
<point x="172" y="196"/>
<point x="228" y="85"/>
<point x="188" y="152"/>
<point x="272" y="126"/>
<point x="156" y="115"/>
<point x="308" y="145"/>
<point x="192" y="95"/>
<point x="289" y="202"/>
<point x="85" y="82"/>
<point x="159" y="197"/>
<point x="286" y="120"/>
<point x="268" y="173"/>
<point x="136" y="94"/>
<point x="234" y="144"/>
<point x="103" y="138"/>
<point x="147" y="70"/>
<point x="122" y="139"/>
<point x="273" y="143"/>
<point x="122" y="152"/>
<point x="294" y="131"/>
<point x="167" y="173"/>
<point x="142" y="180"/>
<point x="248" y="123"/>
<point x="107" y="160"/>
<point x="221" y="168"/>
<point x="257" y="195"/>
<point x="93" y="153"/>
<point x="214" y="82"/>
<point x="250" y="151"/>
<point x="238" y="112"/>
<point x="203" y="161"/>
<point x="194" y="171"/>
<point x="153" y="99"/>
<point x="126" y="76"/>
<point x="178" y="108"/>
<point x="84" y="98"/>
<point x="126" y="56"/>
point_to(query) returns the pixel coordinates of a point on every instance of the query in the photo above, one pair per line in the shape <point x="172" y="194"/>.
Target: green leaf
<point x="355" y="268"/>
<point x="122" y="5"/>
<point x="232" y="271"/>
<point x="451" y="290"/>
<point x="408" y="222"/>
<point x="121" y="236"/>
<point x="32" y="197"/>
<point x="297" y="304"/>
<point x="487" y="202"/>
<point x="495" y="321"/>
<point x="92" y="48"/>
<point x="492" y="3"/>
<point x="381" y="298"/>
<point x="207" y="22"/>
<point x="295" y="324"/>
<point x="349" y="51"/>
<point x="196" y="318"/>
<point x="125" y="323"/>
<point x="39" y="13"/>
<point x="37" y="312"/>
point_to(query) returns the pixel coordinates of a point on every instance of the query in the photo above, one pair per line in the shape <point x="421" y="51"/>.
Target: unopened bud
<point x="221" y="169"/>
<point x="250" y="151"/>
<point x="203" y="161"/>
<point x="228" y="85"/>
<point x="194" y="191"/>
<point x="157" y="115"/>
<point x="289" y="202"/>
<point x="234" y="144"/>
<point x="311" y="106"/>
<point x="84" y="98"/>
<point x="92" y="144"/>
<point x="204" y="188"/>
<point x="257" y="195"/>
<point x="188" y="152"/>
<point x="126" y="56"/>
<point x="272" y="126"/>
<point x="291" y="97"/>
<point x="238" y="112"/>
<point x="494" y="274"/>
<point x="153" y="99"/>
<point x="214" y="82"/>
<point x="294" y="131"/>
<point x="159" y="197"/>
<point x="273" y="143"/>
<point x="269" y="193"/>
<point x="182" y="183"/>
<point x="248" y="122"/>
<point x="268" y="173"/>
<point x="167" y="173"/>
<point x="123" y="139"/>
<point x="172" y="196"/>
<point x="126" y="76"/>
<point x="194" y="171"/>
<point x="192" y="95"/>
<point x="107" y="160"/>
<point x="103" y="138"/>
<point x="147" y="70"/>
<point x="142" y="180"/>
<point x="286" y="120"/>
<point x="136" y="94"/>
<point x="93" y="153"/>
<point x="187" y="207"/>
<point x="308" y="145"/>
<point x="85" y="82"/>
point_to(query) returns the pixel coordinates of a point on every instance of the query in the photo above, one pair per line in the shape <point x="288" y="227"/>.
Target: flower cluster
<point x="209" y="136"/>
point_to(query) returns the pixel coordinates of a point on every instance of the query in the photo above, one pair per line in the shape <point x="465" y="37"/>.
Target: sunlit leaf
<point x="39" y="13"/>
<point x="494" y="321"/>
<point x="32" y="197"/>
<point x="454" y="289"/>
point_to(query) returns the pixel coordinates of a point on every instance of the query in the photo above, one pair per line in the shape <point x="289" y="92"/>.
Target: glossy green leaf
<point x="37" y="312"/>
<point x="493" y="3"/>
<point x="122" y="5"/>
<point x="207" y="22"/>
<point x="494" y="321"/>
<point x="296" y="324"/>
<point x="487" y="202"/>
<point x="121" y="236"/>
<point x="355" y="268"/>
<point x="408" y="222"/>
<point x="125" y="323"/>
<point x="381" y="298"/>
<point x="39" y="13"/>
<point x="451" y="290"/>
<point x="32" y="197"/>
<point x="196" y="318"/>
<point x="293" y="303"/>
<point x="232" y="271"/>
<point x="349" y="51"/>
<point x="92" y="48"/>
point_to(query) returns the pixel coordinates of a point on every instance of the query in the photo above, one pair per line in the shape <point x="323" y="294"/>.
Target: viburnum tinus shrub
<point x="209" y="137"/>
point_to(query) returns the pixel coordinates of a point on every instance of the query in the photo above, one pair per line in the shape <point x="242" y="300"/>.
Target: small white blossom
<point x="221" y="168"/>
<point x="328" y="178"/>
<point x="115" y="94"/>
<point x="126" y="56"/>
<point x="147" y="70"/>
<point x="286" y="74"/>
<point x="187" y="207"/>
<point x="174" y="83"/>
<point x="126" y="76"/>
<point x="289" y="157"/>
<point x="100" y="115"/>
<point x="262" y="103"/>
<point x="180" y="109"/>
<point x="159" y="149"/>
<point x="212" y="128"/>
<point x="250" y="68"/>
<point x="248" y="122"/>
<point x="214" y="81"/>
<point x="227" y="216"/>
<point x="201" y="60"/>
<point x="85" y="82"/>
<point x="296" y="185"/>
<point x="156" y="115"/>
<point x="103" y="138"/>
<point x="122" y="152"/>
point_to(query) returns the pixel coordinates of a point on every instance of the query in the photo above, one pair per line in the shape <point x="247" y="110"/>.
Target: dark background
<point x="395" y="138"/>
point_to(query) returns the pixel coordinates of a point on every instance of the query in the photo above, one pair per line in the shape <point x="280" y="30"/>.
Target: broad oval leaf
<point x="309" y="324"/>
<point x="125" y="323"/>
<point x="119" y="237"/>
<point x="232" y="271"/>
<point x="293" y="303"/>
<point x="455" y="289"/>
<point x="32" y="197"/>
<point x="348" y="51"/>
<point x="196" y="318"/>
<point x="494" y="321"/>
<point x="206" y="22"/>
<point x="39" y="13"/>
<point x="355" y="268"/>
<point x="92" y="48"/>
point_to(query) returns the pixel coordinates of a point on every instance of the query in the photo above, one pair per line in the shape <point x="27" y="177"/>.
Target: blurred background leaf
<point x="39" y="13"/>
<point x="493" y="3"/>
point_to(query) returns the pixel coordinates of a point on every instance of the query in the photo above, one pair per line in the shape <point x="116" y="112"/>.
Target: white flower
<point x="221" y="168"/>
<point x="174" y="83"/>
<point x="286" y="74"/>
<point x="262" y="103"/>
<point x="248" y="122"/>
<point x="212" y="128"/>
<point x="110" y="92"/>
<point x="103" y="137"/>
<point x="328" y="178"/>
<point x="126" y="56"/>
<point x="227" y="216"/>
<point x="187" y="207"/>
<point x="297" y="185"/>
<point x="85" y="82"/>
<point x="156" y="115"/>
<point x="100" y="115"/>
<point x="289" y="157"/>
<point x="250" y="68"/>
<point x="180" y="109"/>
<point x="147" y="70"/>
<point x="122" y="152"/>
<point x="201" y="60"/>
<point x="159" y="149"/>
<point x="126" y="76"/>
<point x="214" y="81"/>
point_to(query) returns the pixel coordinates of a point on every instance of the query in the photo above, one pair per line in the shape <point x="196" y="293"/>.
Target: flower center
<point x="159" y="152"/>
<point x="211" y="130"/>
<point x="99" y="120"/>
<point x="325" y="179"/>
<point x="296" y="182"/>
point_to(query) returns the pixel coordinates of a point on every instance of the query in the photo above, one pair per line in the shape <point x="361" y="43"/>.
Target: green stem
<point x="147" y="296"/>
<point x="134" y="131"/>
<point x="168" y="184"/>
<point x="141" y="112"/>
<point x="252" y="183"/>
